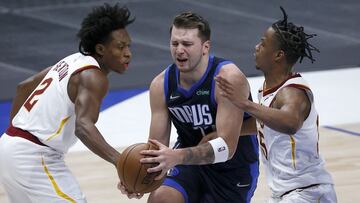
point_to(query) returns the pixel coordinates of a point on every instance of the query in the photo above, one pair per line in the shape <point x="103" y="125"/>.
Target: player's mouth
<point x="181" y="60"/>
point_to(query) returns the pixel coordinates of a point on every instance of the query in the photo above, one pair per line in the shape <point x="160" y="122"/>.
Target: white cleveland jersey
<point x="291" y="161"/>
<point x="48" y="113"/>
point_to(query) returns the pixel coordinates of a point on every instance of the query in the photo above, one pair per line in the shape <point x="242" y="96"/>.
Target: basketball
<point x="133" y="174"/>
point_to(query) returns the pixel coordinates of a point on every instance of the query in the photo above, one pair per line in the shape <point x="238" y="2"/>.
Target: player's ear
<point x="206" y="46"/>
<point x="100" y="49"/>
<point x="280" y="55"/>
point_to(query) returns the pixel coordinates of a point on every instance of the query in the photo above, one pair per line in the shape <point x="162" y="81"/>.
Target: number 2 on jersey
<point x="30" y="102"/>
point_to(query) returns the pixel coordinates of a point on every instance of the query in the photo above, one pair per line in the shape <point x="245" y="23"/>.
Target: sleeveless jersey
<point x="193" y="111"/>
<point x="48" y="113"/>
<point x="291" y="161"/>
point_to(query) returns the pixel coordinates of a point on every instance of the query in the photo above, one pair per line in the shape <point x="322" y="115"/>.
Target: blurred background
<point x="37" y="33"/>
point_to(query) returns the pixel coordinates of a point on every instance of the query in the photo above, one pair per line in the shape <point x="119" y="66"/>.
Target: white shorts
<point x="322" y="193"/>
<point x="33" y="173"/>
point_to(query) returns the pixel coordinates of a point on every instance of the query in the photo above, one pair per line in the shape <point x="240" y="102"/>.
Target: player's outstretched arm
<point x="24" y="89"/>
<point x="287" y="114"/>
<point x="87" y="89"/>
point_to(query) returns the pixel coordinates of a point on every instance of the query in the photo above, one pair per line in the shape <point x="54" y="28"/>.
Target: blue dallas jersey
<point x="193" y="112"/>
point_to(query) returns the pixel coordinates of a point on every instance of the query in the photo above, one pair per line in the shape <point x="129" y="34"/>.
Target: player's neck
<point x="187" y="79"/>
<point x="103" y="68"/>
<point x="276" y="76"/>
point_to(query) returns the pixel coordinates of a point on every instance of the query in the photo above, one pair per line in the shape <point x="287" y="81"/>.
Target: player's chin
<point x="121" y="70"/>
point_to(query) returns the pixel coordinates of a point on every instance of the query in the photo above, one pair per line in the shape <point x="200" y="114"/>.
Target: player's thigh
<point x="165" y="194"/>
<point x="323" y="193"/>
<point x="328" y="194"/>
<point x="58" y="182"/>
<point x="37" y="172"/>
<point x="182" y="184"/>
<point x="228" y="185"/>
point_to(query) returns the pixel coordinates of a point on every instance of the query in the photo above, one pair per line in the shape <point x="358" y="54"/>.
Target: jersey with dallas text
<point x="193" y="111"/>
<point x="291" y="161"/>
<point x="48" y="113"/>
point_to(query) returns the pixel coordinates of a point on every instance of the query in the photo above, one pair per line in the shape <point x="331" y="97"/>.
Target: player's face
<point x="265" y="51"/>
<point x="187" y="48"/>
<point x="117" y="54"/>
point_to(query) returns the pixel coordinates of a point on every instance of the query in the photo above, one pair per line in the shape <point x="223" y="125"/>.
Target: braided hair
<point x="293" y="40"/>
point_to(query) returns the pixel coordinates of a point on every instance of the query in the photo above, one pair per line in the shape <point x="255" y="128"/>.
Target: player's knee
<point x="165" y="194"/>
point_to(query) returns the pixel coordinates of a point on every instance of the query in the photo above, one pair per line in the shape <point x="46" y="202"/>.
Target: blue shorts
<point x="207" y="184"/>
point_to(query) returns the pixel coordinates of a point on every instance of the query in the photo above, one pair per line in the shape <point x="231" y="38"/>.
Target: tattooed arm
<point x="229" y="120"/>
<point x="228" y="123"/>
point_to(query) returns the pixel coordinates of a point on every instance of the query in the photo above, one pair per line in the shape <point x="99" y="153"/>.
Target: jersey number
<point x="30" y="102"/>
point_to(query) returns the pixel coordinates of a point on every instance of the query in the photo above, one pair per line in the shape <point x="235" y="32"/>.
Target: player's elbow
<point x="80" y="129"/>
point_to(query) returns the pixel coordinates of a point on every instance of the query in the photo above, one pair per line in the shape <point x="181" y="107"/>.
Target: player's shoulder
<point x="90" y="76"/>
<point x="158" y="82"/>
<point x="231" y="71"/>
<point x="79" y="61"/>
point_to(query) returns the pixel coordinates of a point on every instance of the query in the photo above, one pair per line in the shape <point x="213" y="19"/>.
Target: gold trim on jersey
<point x="292" y="142"/>
<point x="54" y="184"/>
<point x="62" y="123"/>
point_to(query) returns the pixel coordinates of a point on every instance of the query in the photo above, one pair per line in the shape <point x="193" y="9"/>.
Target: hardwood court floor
<point x="341" y="151"/>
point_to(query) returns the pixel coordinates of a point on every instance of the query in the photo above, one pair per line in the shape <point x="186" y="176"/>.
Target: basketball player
<point x="59" y="105"/>
<point x="224" y="169"/>
<point x="287" y="122"/>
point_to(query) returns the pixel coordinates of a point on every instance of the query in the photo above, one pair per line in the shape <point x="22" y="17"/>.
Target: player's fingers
<point x="162" y="174"/>
<point x="223" y="83"/>
<point x="157" y="143"/>
<point x="147" y="160"/>
<point x="139" y="195"/>
<point x="222" y="80"/>
<point x="132" y="195"/>
<point x="124" y="191"/>
<point x="226" y="92"/>
<point x="121" y="187"/>
<point x="155" y="169"/>
<point x="150" y="152"/>
<point x="222" y="87"/>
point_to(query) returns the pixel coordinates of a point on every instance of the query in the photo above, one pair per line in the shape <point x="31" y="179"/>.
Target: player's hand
<point x="164" y="156"/>
<point x="231" y="91"/>
<point x="124" y="191"/>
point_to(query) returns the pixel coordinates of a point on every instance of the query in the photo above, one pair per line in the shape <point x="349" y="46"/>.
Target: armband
<point x="221" y="150"/>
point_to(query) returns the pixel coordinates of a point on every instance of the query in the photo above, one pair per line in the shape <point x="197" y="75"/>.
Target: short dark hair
<point x="293" y="40"/>
<point x="190" y="20"/>
<point x="98" y="25"/>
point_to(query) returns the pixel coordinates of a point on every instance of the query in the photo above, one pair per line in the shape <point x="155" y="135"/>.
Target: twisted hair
<point x="293" y="40"/>
<point x="190" y="20"/>
<point x="98" y="25"/>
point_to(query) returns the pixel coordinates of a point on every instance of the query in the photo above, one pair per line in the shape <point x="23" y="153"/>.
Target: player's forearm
<point x="199" y="155"/>
<point x="248" y="127"/>
<point x="92" y="139"/>
<point x="275" y="119"/>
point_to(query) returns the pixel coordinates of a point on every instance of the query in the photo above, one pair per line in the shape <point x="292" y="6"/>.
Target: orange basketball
<point x="133" y="174"/>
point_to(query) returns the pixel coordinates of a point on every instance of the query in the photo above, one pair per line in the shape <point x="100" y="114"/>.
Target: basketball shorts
<point x="322" y="193"/>
<point x="30" y="172"/>
<point x="203" y="184"/>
